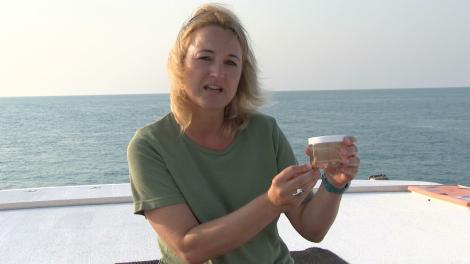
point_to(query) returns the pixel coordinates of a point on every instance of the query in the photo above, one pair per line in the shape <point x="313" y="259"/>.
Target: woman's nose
<point x="217" y="69"/>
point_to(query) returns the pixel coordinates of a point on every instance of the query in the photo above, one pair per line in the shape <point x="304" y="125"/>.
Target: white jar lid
<point x="326" y="139"/>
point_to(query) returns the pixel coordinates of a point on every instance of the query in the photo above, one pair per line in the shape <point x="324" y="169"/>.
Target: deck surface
<point x="378" y="222"/>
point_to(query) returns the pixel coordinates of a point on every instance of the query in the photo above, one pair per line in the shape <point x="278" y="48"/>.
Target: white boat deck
<point x="379" y="222"/>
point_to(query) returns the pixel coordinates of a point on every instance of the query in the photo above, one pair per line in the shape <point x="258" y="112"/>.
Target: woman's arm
<point x="314" y="217"/>
<point x="196" y="243"/>
<point x="313" y="220"/>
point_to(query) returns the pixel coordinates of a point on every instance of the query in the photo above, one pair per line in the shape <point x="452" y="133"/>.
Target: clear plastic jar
<point x="326" y="148"/>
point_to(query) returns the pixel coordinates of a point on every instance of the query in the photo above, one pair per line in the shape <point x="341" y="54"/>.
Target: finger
<point x="350" y="172"/>
<point x="299" y="197"/>
<point x="349" y="140"/>
<point x="311" y="184"/>
<point x="302" y="169"/>
<point x="314" y="164"/>
<point x="354" y="162"/>
<point x="309" y="150"/>
<point x="350" y="162"/>
<point x="293" y="171"/>
<point x="339" y="178"/>
<point x="298" y="182"/>
<point x="348" y="151"/>
<point x="307" y="194"/>
<point x="351" y="150"/>
<point x="309" y="153"/>
<point x="305" y="179"/>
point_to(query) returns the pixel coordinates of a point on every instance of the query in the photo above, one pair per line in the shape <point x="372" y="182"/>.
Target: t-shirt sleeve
<point x="151" y="183"/>
<point x="284" y="154"/>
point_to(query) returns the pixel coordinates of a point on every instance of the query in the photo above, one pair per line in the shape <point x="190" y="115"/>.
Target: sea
<point x="407" y="134"/>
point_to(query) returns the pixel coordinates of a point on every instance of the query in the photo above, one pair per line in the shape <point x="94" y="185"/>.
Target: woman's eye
<point x="205" y="58"/>
<point x="231" y="62"/>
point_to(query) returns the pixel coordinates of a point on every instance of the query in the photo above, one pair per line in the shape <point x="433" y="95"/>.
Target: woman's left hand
<point x="342" y="172"/>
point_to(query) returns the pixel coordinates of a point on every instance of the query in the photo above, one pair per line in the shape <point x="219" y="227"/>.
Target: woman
<point x="213" y="176"/>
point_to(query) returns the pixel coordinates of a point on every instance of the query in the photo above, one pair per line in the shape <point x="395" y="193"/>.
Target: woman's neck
<point x="207" y="130"/>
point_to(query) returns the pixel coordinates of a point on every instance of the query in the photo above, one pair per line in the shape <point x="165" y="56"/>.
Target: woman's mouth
<point x="213" y="88"/>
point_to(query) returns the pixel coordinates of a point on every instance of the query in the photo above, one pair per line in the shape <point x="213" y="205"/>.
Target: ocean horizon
<point x="408" y="134"/>
<point x="266" y="91"/>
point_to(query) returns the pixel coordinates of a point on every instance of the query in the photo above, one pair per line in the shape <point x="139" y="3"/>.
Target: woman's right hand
<point x="285" y="185"/>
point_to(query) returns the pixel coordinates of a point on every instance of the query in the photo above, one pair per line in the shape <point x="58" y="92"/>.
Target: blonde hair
<point x="248" y="96"/>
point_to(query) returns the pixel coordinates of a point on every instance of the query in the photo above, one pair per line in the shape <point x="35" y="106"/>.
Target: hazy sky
<point x="64" y="47"/>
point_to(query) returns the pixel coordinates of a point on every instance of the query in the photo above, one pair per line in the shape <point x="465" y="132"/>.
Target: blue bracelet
<point x="330" y="187"/>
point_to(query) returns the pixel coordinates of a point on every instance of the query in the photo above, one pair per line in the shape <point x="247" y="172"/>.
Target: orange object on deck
<point x="452" y="193"/>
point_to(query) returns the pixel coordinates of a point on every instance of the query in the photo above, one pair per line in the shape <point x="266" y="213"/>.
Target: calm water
<point x="408" y="134"/>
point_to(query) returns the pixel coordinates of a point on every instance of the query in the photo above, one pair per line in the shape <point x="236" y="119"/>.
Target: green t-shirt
<point x="166" y="168"/>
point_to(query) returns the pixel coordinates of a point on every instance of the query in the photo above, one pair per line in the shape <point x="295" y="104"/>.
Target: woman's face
<point x="212" y="68"/>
